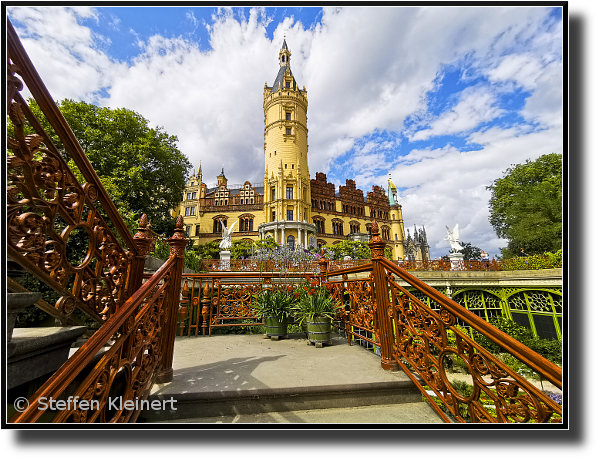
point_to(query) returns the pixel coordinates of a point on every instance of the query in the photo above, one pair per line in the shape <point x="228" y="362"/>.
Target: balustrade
<point x="419" y="339"/>
<point x="46" y="206"/>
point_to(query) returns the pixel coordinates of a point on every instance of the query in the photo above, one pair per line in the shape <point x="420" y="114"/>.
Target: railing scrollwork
<point x="422" y="339"/>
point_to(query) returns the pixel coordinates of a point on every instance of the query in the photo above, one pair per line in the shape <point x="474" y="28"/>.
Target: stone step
<point x="407" y="413"/>
<point x="174" y="406"/>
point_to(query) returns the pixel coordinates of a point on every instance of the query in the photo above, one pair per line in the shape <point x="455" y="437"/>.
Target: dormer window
<point x="288" y="84"/>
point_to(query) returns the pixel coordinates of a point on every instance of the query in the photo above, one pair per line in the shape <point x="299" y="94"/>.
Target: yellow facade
<point x="289" y="206"/>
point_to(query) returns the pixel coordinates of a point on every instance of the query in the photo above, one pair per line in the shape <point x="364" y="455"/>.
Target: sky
<point x="442" y="99"/>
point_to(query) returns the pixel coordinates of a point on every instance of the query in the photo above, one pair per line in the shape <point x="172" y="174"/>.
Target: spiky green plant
<point x="316" y="302"/>
<point x="277" y="304"/>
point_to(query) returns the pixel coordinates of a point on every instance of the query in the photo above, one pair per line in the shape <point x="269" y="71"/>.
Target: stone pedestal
<point x="457" y="260"/>
<point x="225" y="260"/>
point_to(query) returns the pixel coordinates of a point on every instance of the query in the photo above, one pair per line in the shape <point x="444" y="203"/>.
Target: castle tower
<point x="397" y="227"/>
<point x="286" y="175"/>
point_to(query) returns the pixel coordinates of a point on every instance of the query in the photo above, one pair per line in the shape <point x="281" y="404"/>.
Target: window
<point x="288" y="131"/>
<point x="246" y="224"/>
<point x="319" y="225"/>
<point x="291" y="242"/>
<point x="290" y="214"/>
<point x="192" y="211"/>
<point x="193" y="196"/>
<point x="187" y="230"/>
<point x="274" y="216"/>
<point x="288" y="84"/>
<point x="217" y="227"/>
<point x="189" y="196"/>
<point x="285" y="165"/>
<point x="288" y="116"/>
<point x="273" y="194"/>
<point x="187" y="211"/>
<point x="290" y="193"/>
<point x="197" y="230"/>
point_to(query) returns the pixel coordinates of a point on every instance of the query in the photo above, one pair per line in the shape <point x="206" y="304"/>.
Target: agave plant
<point x="315" y="302"/>
<point x="276" y="304"/>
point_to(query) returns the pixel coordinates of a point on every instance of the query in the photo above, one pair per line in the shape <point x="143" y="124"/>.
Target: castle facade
<point x="289" y="206"/>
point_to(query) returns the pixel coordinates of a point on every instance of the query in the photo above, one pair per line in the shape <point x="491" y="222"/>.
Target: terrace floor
<point x="250" y="379"/>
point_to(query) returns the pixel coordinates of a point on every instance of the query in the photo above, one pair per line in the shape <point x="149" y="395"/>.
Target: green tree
<point x="470" y="252"/>
<point x="241" y="249"/>
<point x="141" y="167"/>
<point x="353" y="249"/>
<point x="208" y="250"/>
<point x="267" y="243"/>
<point x="526" y="206"/>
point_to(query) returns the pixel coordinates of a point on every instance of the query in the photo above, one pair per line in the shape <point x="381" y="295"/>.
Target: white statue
<point x="226" y="242"/>
<point x="454" y="238"/>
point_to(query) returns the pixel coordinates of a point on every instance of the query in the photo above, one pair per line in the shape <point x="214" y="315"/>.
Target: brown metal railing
<point x="249" y="265"/>
<point x="45" y="206"/>
<point x="138" y="338"/>
<point x="417" y="339"/>
<point x="220" y="300"/>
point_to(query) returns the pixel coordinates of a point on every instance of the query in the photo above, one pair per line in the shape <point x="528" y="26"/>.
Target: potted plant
<point x="316" y="308"/>
<point x="275" y="308"/>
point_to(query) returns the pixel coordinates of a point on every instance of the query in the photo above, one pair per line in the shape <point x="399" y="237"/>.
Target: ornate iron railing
<point x="219" y="300"/>
<point x="254" y="265"/>
<point x="414" y="337"/>
<point x="249" y="265"/>
<point x="46" y="205"/>
<point x="139" y="340"/>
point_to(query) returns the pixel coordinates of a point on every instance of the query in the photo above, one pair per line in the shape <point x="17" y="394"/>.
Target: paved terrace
<point x="250" y="379"/>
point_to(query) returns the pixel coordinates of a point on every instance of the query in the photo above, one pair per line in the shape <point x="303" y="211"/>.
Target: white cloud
<point x="476" y="105"/>
<point x="365" y="69"/>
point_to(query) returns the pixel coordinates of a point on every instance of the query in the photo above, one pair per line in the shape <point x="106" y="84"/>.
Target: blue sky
<point x="444" y="99"/>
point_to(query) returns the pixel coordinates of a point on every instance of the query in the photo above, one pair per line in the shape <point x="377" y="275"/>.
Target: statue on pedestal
<point x="454" y="238"/>
<point x="226" y="242"/>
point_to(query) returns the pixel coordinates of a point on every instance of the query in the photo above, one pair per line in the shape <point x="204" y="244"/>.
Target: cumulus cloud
<point x="368" y="71"/>
<point x="476" y="105"/>
<point x="66" y="55"/>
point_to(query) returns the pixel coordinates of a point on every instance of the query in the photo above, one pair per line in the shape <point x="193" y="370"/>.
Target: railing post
<point x="382" y="319"/>
<point x="206" y="306"/>
<point x="143" y="241"/>
<point x="323" y="264"/>
<point x="173" y="296"/>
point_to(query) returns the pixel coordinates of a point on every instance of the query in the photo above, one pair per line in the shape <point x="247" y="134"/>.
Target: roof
<point x="279" y="79"/>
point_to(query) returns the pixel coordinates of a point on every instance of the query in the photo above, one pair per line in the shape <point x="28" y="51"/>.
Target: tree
<point x="141" y="167"/>
<point x="470" y="252"/>
<point x="242" y="249"/>
<point x="526" y="206"/>
<point x="210" y="250"/>
<point x="353" y="249"/>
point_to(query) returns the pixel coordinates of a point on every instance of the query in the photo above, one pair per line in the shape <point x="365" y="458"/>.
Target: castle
<point x="290" y="207"/>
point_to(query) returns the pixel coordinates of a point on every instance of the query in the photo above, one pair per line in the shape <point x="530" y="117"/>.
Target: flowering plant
<point x="314" y="301"/>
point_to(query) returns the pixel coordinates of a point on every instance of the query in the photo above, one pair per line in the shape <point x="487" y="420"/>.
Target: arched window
<point x="291" y="242"/>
